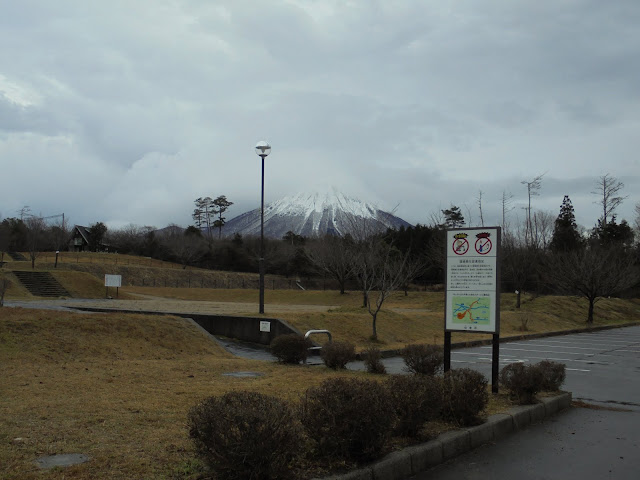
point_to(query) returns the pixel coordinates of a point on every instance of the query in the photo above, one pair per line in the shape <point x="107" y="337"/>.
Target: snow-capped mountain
<point x="314" y="214"/>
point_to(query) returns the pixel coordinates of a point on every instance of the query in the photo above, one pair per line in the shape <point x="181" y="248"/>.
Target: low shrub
<point x="336" y="355"/>
<point x="290" y="348"/>
<point x="553" y="375"/>
<point x="416" y="399"/>
<point x="373" y="360"/>
<point x="243" y="435"/>
<point x="522" y="381"/>
<point x="348" y="419"/>
<point x="423" y="359"/>
<point x="464" y="396"/>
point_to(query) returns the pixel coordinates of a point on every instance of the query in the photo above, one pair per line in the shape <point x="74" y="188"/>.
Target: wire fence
<point x="232" y="282"/>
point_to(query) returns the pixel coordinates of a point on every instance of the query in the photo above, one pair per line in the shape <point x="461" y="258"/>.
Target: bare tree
<point x="59" y="234"/>
<point x="25" y="212"/>
<point x="380" y="269"/>
<point x="479" y="200"/>
<point x="507" y="206"/>
<point x="204" y="213"/>
<point x="35" y="237"/>
<point x="637" y="221"/>
<point x="469" y="219"/>
<point x="127" y="239"/>
<point x="593" y="273"/>
<point x="5" y="240"/>
<point x="186" y="247"/>
<point x="437" y="218"/>
<point x="542" y="232"/>
<point x="607" y="189"/>
<point x="4" y="286"/>
<point x="519" y="262"/>
<point x="333" y="255"/>
<point x="533" y="188"/>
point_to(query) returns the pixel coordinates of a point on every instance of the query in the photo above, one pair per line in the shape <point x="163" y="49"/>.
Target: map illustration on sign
<point x="471" y="310"/>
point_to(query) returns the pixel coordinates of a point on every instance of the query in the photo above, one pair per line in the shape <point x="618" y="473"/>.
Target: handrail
<point x="314" y="332"/>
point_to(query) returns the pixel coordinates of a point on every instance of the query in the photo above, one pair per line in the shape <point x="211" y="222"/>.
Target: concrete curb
<point x="418" y="458"/>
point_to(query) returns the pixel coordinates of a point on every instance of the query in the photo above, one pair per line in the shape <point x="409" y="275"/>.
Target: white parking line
<point x="468" y="353"/>
<point x="539" y="351"/>
<point x="554" y="346"/>
<point x="585" y="343"/>
<point x="609" y="336"/>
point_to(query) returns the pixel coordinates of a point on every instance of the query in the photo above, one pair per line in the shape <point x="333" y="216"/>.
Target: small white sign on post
<point x="113" y="280"/>
<point x="265" y="326"/>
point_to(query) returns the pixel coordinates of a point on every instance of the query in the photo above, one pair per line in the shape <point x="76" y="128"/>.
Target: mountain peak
<point x="313" y="214"/>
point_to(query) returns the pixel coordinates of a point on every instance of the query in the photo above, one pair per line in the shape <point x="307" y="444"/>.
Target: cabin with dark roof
<point x="79" y="239"/>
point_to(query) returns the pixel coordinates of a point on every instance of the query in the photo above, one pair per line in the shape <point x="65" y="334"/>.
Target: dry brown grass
<point x="118" y="388"/>
<point x="416" y="318"/>
<point x="115" y="387"/>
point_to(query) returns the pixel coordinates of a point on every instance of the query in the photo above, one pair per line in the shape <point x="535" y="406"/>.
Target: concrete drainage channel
<point x="418" y="458"/>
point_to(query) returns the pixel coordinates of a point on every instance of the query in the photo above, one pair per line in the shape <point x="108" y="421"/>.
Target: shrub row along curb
<point x="410" y="461"/>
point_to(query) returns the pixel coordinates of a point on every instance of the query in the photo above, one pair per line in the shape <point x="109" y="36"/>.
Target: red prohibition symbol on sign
<point x="483" y="245"/>
<point x="460" y="246"/>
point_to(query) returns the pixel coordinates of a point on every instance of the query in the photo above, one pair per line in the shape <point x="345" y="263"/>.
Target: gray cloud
<point x="126" y="112"/>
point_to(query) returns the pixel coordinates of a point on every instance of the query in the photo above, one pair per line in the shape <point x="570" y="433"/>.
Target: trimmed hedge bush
<point x="423" y="359"/>
<point x="336" y="355"/>
<point x="553" y="375"/>
<point x="244" y="435"/>
<point x="464" y="396"/>
<point x="416" y="399"/>
<point x="522" y="381"/>
<point x="348" y="418"/>
<point x="525" y="381"/>
<point x="373" y="360"/>
<point x="290" y="348"/>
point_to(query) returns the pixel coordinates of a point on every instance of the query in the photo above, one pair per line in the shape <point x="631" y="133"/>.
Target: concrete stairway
<point x="41" y="284"/>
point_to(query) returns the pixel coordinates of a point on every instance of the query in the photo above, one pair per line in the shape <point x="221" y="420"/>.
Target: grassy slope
<point x="115" y="387"/>
<point x="416" y="318"/>
<point x="118" y="387"/>
<point x="78" y="284"/>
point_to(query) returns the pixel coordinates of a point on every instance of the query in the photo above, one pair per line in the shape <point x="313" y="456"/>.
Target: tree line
<point x="542" y="255"/>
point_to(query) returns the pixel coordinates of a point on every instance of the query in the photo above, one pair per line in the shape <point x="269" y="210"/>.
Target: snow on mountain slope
<point x="313" y="214"/>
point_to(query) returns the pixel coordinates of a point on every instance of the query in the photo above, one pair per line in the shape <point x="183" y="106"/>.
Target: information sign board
<point x="472" y="289"/>
<point x="113" y="280"/>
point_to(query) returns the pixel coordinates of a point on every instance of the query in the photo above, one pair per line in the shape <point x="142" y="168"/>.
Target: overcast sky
<point x="125" y="111"/>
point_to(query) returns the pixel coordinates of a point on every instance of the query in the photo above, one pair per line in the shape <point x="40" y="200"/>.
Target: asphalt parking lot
<point x="603" y="369"/>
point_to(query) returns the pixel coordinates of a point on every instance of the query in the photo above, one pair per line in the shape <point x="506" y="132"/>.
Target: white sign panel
<point x="113" y="280"/>
<point x="472" y="280"/>
<point x="265" y="326"/>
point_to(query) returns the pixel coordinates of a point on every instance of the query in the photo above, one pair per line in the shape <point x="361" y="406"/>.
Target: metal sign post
<point x="472" y="292"/>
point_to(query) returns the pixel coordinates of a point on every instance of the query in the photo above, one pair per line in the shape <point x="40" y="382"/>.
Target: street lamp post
<point x="262" y="150"/>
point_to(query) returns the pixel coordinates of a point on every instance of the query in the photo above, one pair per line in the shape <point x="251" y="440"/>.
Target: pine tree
<point x="220" y="205"/>
<point x="612" y="233"/>
<point x="566" y="237"/>
<point x="453" y="217"/>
